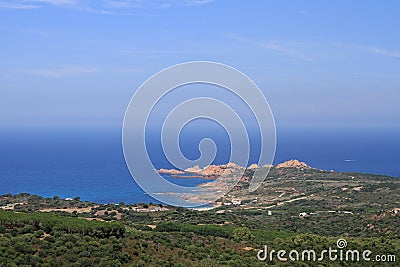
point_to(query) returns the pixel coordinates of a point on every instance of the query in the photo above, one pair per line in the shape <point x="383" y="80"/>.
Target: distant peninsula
<point x="214" y="171"/>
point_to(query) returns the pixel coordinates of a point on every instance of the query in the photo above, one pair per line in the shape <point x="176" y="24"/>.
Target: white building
<point x="236" y="202"/>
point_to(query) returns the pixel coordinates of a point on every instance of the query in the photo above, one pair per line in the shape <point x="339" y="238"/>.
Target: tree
<point x="241" y="234"/>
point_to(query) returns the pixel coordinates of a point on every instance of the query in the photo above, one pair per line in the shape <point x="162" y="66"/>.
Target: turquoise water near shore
<point x="90" y="164"/>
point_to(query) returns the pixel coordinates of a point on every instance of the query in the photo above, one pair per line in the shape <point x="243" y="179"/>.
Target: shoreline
<point x="205" y="177"/>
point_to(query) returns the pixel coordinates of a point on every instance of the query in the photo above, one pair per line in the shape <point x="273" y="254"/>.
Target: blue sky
<point x="76" y="63"/>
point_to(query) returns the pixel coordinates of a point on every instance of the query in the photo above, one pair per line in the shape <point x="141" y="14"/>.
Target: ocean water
<point x="90" y="163"/>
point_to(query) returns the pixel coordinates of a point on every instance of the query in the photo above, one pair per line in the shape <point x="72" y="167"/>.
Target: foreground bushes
<point x="203" y="230"/>
<point x="49" y="222"/>
<point x="46" y="239"/>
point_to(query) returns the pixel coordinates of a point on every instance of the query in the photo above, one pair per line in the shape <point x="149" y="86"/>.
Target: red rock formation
<point x="172" y="171"/>
<point x="294" y="163"/>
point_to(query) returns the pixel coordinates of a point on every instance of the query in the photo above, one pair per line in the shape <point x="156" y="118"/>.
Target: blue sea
<point x="90" y="163"/>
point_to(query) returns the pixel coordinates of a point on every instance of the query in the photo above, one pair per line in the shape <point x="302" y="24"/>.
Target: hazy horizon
<point x="72" y="64"/>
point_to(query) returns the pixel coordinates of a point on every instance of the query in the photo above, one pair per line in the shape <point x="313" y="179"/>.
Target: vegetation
<point x="295" y="209"/>
<point x="46" y="239"/>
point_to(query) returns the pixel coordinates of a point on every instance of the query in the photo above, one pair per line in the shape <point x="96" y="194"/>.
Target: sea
<point x="89" y="163"/>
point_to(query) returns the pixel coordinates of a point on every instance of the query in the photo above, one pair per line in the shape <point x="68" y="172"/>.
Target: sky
<point x="77" y="63"/>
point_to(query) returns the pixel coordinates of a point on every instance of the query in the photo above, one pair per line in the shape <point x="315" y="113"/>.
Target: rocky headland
<point x="214" y="171"/>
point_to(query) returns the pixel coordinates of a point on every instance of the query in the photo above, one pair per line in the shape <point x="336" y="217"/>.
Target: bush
<point x="242" y="234"/>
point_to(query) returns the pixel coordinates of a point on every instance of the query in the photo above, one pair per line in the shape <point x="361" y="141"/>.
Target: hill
<point x="297" y="207"/>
